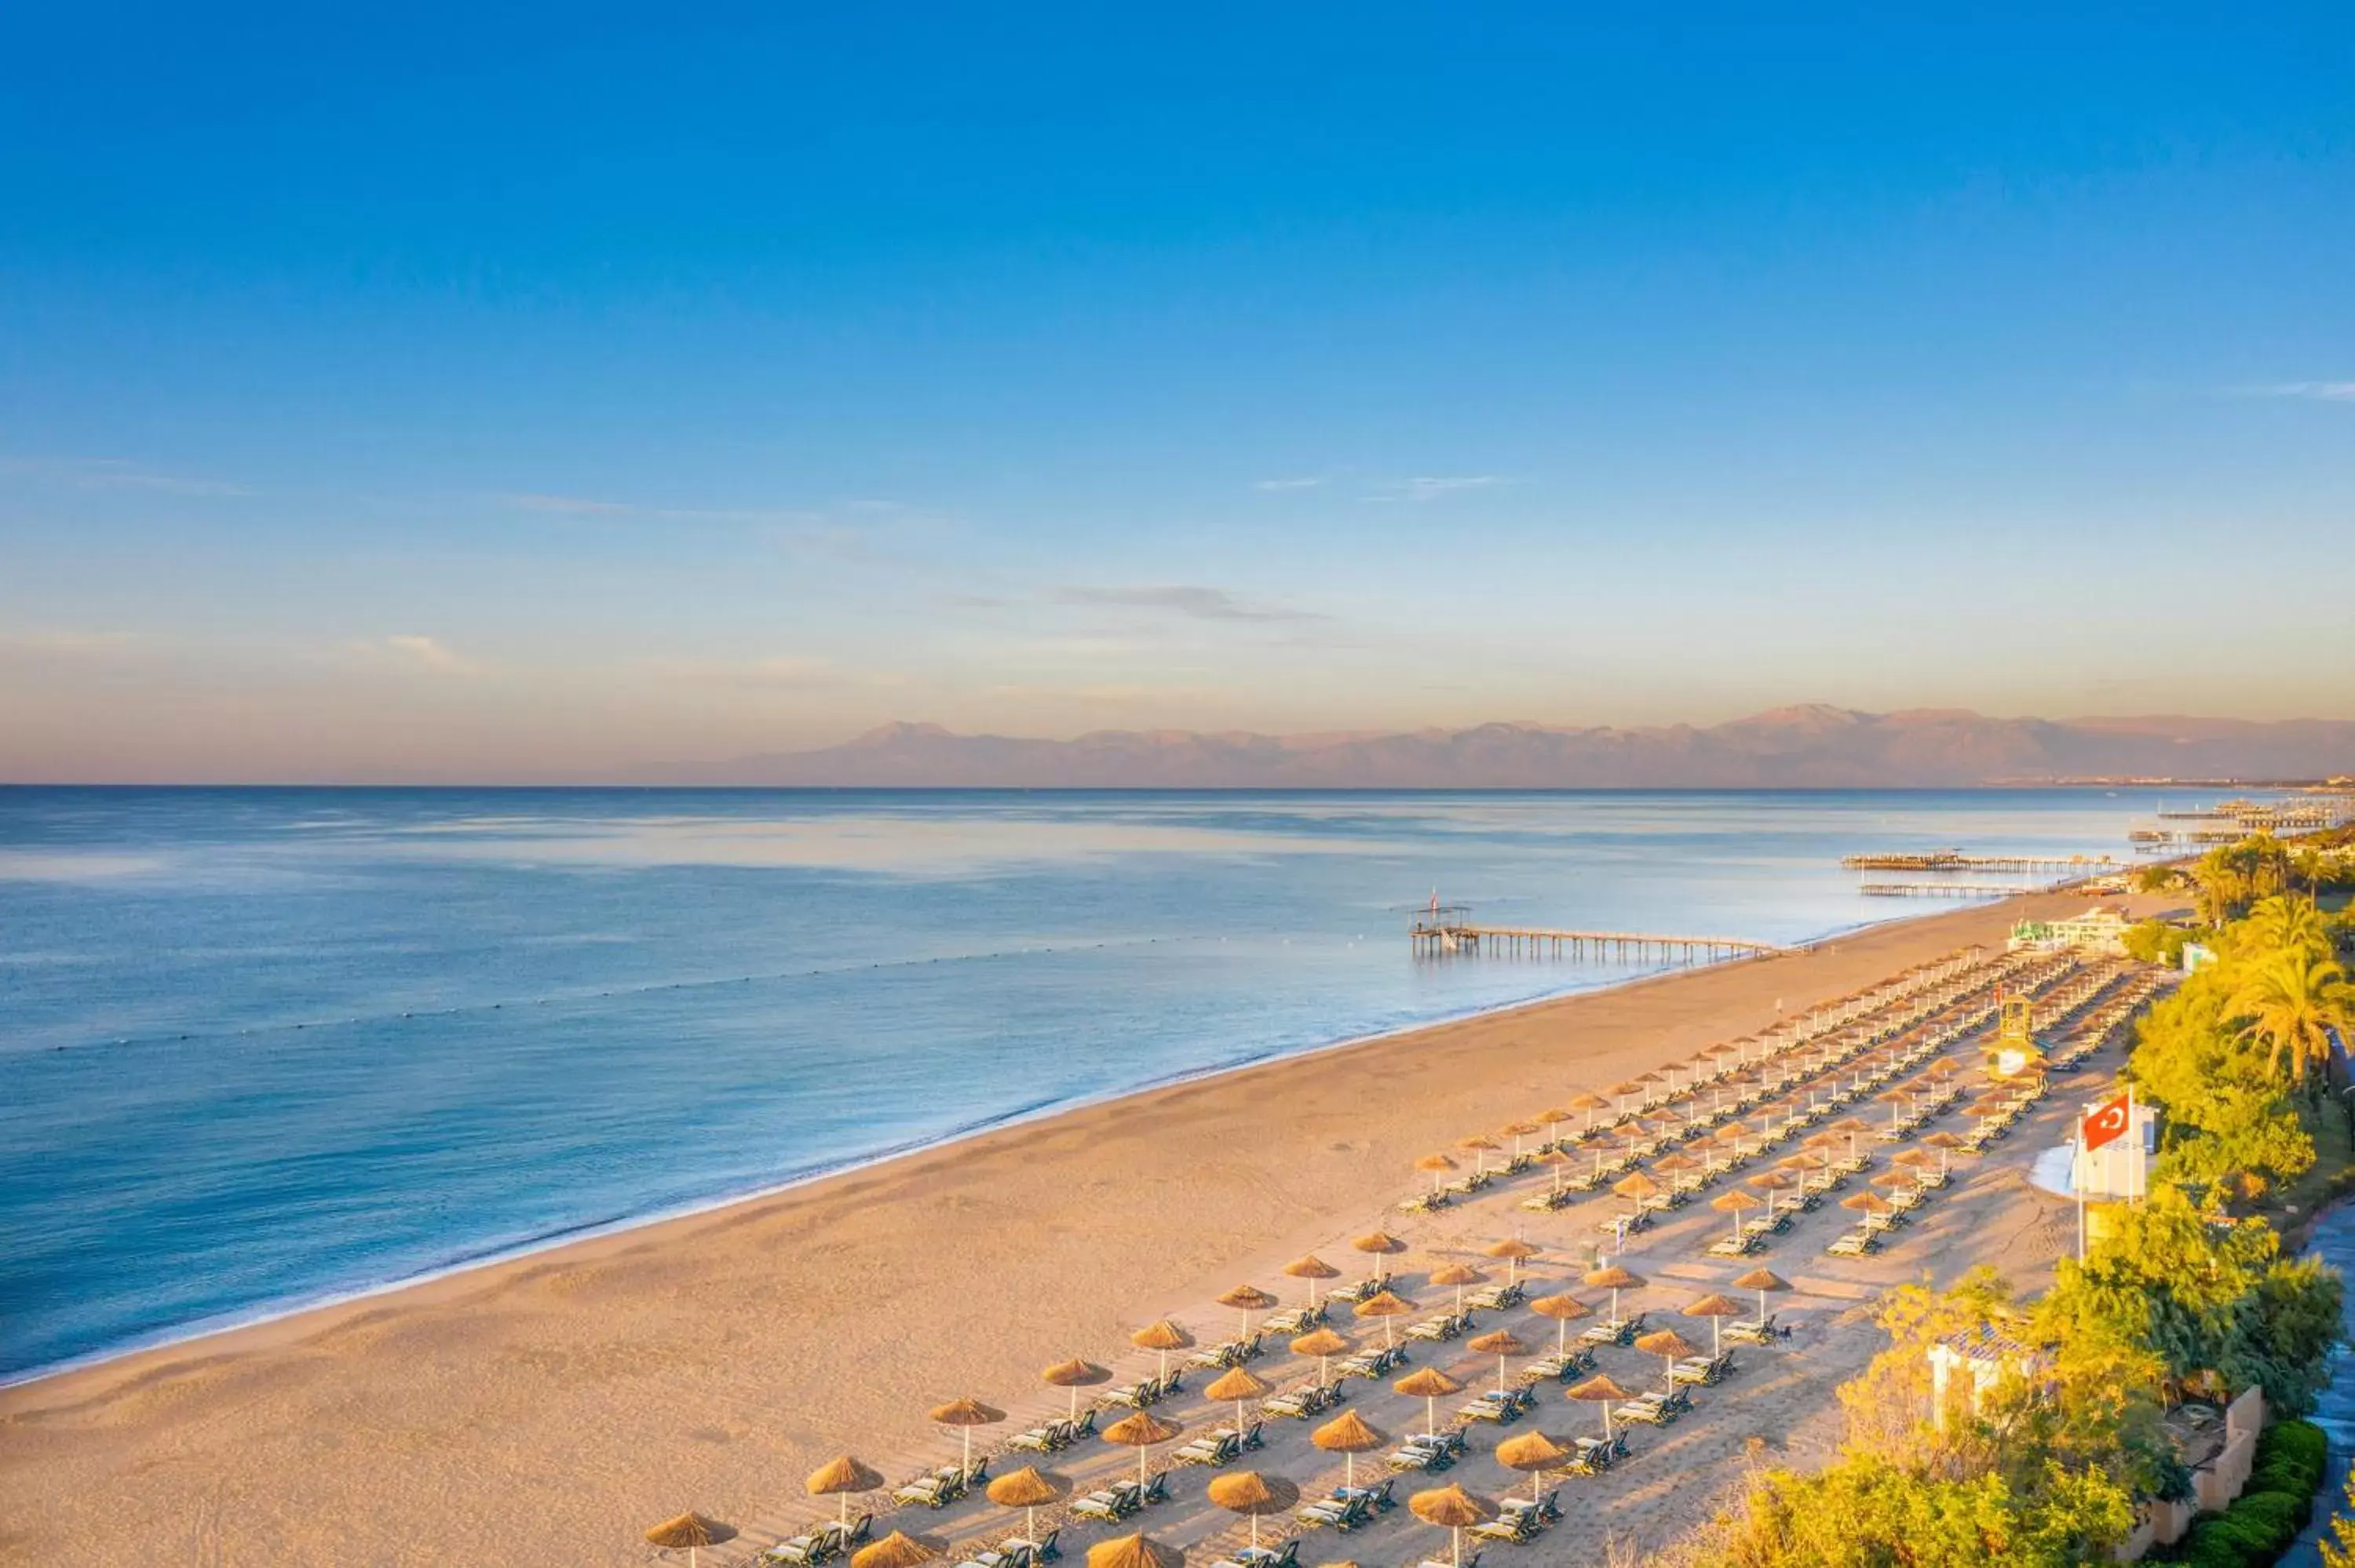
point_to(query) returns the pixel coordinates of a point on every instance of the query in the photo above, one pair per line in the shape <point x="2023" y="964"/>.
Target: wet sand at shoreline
<point x="547" y="1410"/>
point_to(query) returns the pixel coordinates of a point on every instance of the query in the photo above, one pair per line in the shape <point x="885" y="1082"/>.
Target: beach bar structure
<point x="1443" y="930"/>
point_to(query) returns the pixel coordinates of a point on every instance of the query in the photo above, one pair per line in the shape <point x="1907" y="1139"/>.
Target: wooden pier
<point x="1445" y="932"/>
<point x="1947" y="889"/>
<point x="1955" y="860"/>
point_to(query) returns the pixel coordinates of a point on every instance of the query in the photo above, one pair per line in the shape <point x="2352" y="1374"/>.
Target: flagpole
<point x="2133" y="1151"/>
<point x="2077" y="1180"/>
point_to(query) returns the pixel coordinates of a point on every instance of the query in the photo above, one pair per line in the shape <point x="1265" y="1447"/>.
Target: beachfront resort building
<point x="2101" y="930"/>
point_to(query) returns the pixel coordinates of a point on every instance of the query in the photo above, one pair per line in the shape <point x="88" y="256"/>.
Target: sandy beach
<point x="547" y="1410"/>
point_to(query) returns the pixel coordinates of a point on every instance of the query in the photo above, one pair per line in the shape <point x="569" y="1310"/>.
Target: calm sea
<point x="261" y="1048"/>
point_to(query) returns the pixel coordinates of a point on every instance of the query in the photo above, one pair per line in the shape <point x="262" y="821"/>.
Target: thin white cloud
<point x="116" y="474"/>
<point x="58" y="643"/>
<point x="2317" y="391"/>
<point x="425" y="653"/>
<point x="589" y="506"/>
<point x="1188" y="599"/>
<point x="1304" y="482"/>
<point x="568" y="505"/>
<point x="784" y="673"/>
<point x="1430" y="487"/>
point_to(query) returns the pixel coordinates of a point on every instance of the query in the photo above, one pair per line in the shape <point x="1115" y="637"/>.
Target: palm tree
<point x="2293" y="1002"/>
<point x="2287" y="923"/>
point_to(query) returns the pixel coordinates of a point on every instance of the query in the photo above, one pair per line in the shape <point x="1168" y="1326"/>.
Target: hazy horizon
<point x="554" y="396"/>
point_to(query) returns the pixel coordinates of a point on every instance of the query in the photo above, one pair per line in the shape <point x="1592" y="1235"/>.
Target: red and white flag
<point x="2106" y="1123"/>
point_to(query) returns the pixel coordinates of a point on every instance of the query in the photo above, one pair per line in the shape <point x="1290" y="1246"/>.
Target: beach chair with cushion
<point x="1502" y="1409"/>
<point x="1218" y="1448"/>
<point x="1148" y="1392"/>
<point x="1424" y="1203"/>
<point x="1284" y="1556"/>
<point x="1621" y="1331"/>
<point x="1559" y="1368"/>
<point x="1651" y="1409"/>
<point x="815" y="1547"/>
<point x="1692" y="1370"/>
<point x="932" y="1492"/>
<point x="1746" y="1333"/>
<point x="1111" y="1504"/>
<point x="1422" y="1454"/>
<point x="1511" y="1525"/>
<point x="1497" y="1298"/>
<point x="1341" y="1511"/>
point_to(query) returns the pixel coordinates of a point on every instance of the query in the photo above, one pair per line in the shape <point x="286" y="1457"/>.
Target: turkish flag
<point x="2103" y="1124"/>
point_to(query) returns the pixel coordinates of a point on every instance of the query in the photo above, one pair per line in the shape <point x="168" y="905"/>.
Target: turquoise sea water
<point x="260" y="1047"/>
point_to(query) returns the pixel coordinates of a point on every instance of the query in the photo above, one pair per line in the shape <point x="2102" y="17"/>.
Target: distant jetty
<point x="1955" y="860"/>
<point x="1445" y="929"/>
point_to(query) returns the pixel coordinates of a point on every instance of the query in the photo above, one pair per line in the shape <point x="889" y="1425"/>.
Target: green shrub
<point x="2297" y="1450"/>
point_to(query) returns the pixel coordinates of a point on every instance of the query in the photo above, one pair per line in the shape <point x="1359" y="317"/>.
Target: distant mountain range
<point x="1810" y="746"/>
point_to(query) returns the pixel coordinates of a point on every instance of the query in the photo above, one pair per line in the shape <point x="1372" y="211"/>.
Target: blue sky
<point x="430" y="395"/>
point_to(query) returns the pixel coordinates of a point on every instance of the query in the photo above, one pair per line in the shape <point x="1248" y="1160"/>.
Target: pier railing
<point x="1441" y="938"/>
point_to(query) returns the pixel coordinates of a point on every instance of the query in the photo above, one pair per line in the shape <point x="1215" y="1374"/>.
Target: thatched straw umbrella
<point x="1515" y="1252"/>
<point x="1481" y="1146"/>
<point x="1553" y="1160"/>
<point x="841" y="1479"/>
<point x="894" y="1550"/>
<point x="1613" y="1278"/>
<point x="1139" y="1551"/>
<point x="1850" y="1126"/>
<point x="1385" y="1305"/>
<point x="1670" y="1347"/>
<point x="1762" y="1280"/>
<point x="690" y="1533"/>
<point x="1600" y="1390"/>
<point x="1348" y="1435"/>
<point x="1622" y="1092"/>
<point x="1459" y="1274"/>
<point x="1552" y="1116"/>
<point x="1590" y="1104"/>
<point x="1868" y="1203"/>
<point x="1452" y="1509"/>
<point x="1499" y="1343"/>
<point x="1770" y="1182"/>
<point x="1716" y="1308"/>
<point x="965" y="1415"/>
<point x="1438" y="1165"/>
<point x="1376" y="1246"/>
<point x="1247" y="1300"/>
<point x="1733" y="1203"/>
<point x="1517" y="1130"/>
<point x="1239" y="1384"/>
<point x="1429" y="1385"/>
<point x="1311" y="1268"/>
<point x="1636" y="1187"/>
<point x="1075" y="1374"/>
<point x="1143" y="1432"/>
<point x="1534" y="1451"/>
<point x="1251" y="1494"/>
<point x="1163" y="1337"/>
<point x="1324" y="1344"/>
<point x="1945" y="1143"/>
<point x="1030" y="1489"/>
<point x="1562" y="1309"/>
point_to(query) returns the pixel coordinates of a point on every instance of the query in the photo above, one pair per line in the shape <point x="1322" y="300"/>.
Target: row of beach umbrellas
<point x="1252" y="1494"/>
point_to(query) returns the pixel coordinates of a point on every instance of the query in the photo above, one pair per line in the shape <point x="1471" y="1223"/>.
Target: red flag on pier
<point x="2106" y="1123"/>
